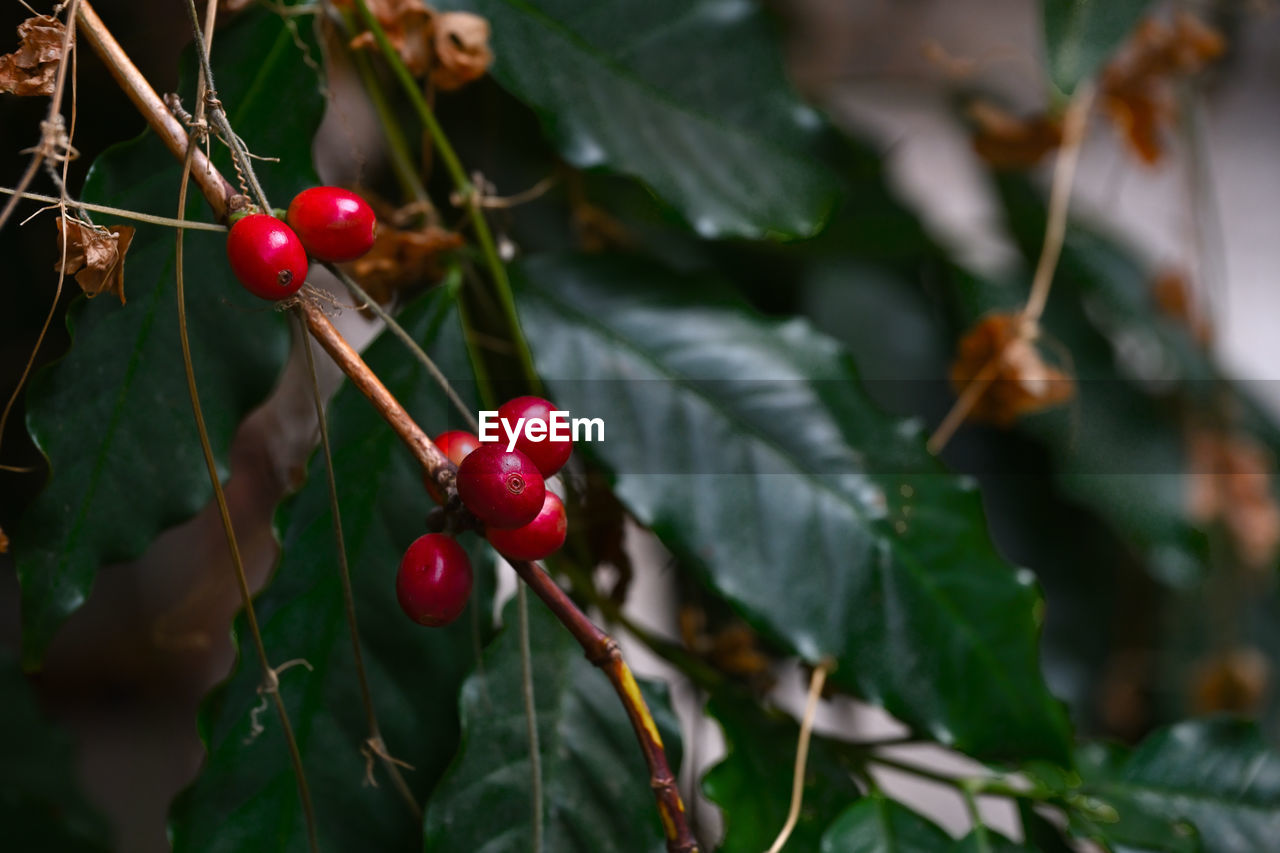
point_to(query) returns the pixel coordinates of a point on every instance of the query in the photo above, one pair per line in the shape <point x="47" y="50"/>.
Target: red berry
<point x="334" y="224"/>
<point x="434" y="581"/>
<point x="536" y="539"/>
<point x="548" y="455"/>
<point x="456" y="444"/>
<point x="266" y="256"/>
<point x="503" y="488"/>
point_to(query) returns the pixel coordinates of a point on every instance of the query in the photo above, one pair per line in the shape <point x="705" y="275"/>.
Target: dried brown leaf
<point x="4" y="542"/>
<point x="462" y="50"/>
<point x="32" y="69"/>
<point x="1174" y="298"/>
<point x="95" y="255"/>
<point x="1230" y="480"/>
<point x="401" y="259"/>
<point x="1021" y="383"/>
<point x="1235" y="681"/>
<point x="1010" y="142"/>
<point x="1137" y="86"/>
<point x="409" y="25"/>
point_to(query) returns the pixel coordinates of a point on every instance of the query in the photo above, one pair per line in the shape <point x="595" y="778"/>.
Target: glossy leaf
<point x="750" y="449"/>
<point x="1081" y="34"/>
<point x="113" y="416"/>
<point x="246" y="796"/>
<point x="689" y="97"/>
<point x="1216" y="775"/>
<point x="877" y="824"/>
<point x="753" y="788"/>
<point x="595" y="786"/>
<point x="41" y="805"/>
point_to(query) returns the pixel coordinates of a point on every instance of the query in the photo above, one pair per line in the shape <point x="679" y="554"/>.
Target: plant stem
<point x="599" y="647"/>
<point x="465" y="189"/>
<point x="187" y="224"/>
<point x="531" y="718"/>
<point x="271" y="680"/>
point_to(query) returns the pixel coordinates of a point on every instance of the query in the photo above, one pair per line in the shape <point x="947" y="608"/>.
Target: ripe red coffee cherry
<point x="503" y="488"/>
<point x="332" y="223"/>
<point x="548" y="455"/>
<point x="457" y="444"/>
<point x="434" y="581"/>
<point x="538" y="538"/>
<point x="266" y="256"/>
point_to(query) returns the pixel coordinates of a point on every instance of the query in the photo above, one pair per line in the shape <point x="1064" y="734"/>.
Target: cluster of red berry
<point x="326" y="223"/>
<point x="504" y="489"/>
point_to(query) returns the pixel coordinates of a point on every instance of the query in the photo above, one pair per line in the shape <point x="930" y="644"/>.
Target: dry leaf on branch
<point x="1137" y="86"/>
<point x="1235" y="681"/>
<point x="1006" y="141"/>
<point x="409" y="25"/>
<point x="4" y="542"/>
<point x="400" y="259"/>
<point x="1173" y="297"/>
<point x="1230" y="480"/>
<point x="32" y="69"/>
<point x="95" y="255"/>
<point x="1021" y="383"/>
<point x="462" y="50"/>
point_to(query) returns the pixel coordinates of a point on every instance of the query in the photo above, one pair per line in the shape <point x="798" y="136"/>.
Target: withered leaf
<point x="4" y="542"/>
<point x="95" y="255"/>
<point x="1234" y="681"/>
<point x="462" y="49"/>
<point x="1230" y="479"/>
<point x="400" y="259"/>
<point x="1020" y="382"/>
<point x="1137" y="86"/>
<point x="409" y="25"/>
<point x="1006" y="141"/>
<point x="32" y="69"/>
<point x="1173" y="297"/>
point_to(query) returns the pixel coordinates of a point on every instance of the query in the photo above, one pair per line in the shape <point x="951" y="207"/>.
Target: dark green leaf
<point x="1040" y="833"/>
<point x="749" y="447"/>
<point x="1081" y="34"/>
<point x="41" y="806"/>
<point x="1216" y="775"/>
<point x="113" y="416"/>
<point x="877" y="824"/>
<point x="246" y="795"/>
<point x="595" y="786"/>
<point x="752" y="784"/>
<point x="689" y="97"/>
<point x="989" y="841"/>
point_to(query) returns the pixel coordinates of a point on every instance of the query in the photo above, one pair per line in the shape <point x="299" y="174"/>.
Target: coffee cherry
<point x="332" y="223"/>
<point x="434" y="581"/>
<point x="503" y="488"/>
<point x="538" y="538"/>
<point x="456" y="444"/>
<point x="548" y="455"/>
<point x="266" y="256"/>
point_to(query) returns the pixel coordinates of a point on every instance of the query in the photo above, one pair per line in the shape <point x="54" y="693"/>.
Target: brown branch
<point x="600" y="648"/>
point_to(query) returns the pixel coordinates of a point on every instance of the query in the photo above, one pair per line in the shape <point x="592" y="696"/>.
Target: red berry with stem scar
<point x="502" y="488"/>
<point x="266" y="256"/>
<point x="333" y="224"/>
<point x="548" y="455"/>
<point x="434" y="581"/>
<point x="535" y="540"/>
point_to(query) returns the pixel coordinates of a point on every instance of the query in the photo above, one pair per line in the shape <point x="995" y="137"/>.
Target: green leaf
<point x="689" y="97"/>
<point x="41" y="805"/>
<point x="988" y="841"/>
<point x="595" y="786"/>
<point x="877" y="824"/>
<point x="749" y="447"/>
<point x="753" y="786"/>
<point x="246" y="794"/>
<point x="113" y="416"/>
<point x="1218" y="775"/>
<point x="1081" y="34"/>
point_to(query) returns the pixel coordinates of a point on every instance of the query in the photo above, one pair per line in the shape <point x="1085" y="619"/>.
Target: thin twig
<point x="188" y="224"/>
<point x="531" y="718"/>
<point x="802" y="755"/>
<point x="1028" y="329"/>
<point x="348" y="597"/>
<point x="359" y="294"/>
<point x="271" y="681"/>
